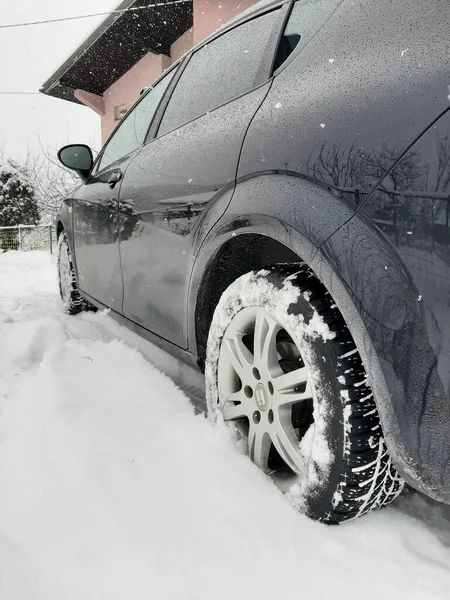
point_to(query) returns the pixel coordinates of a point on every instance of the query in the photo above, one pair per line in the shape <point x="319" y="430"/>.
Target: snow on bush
<point x="18" y="205"/>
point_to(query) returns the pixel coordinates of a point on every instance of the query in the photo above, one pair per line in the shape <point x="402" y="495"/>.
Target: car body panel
<point x="410" y="328"/>
<point x="309" y="163"/>
<point x="168" y="188"/>
<point x="363" y="102"/>
<point x="355" y="96"/>
<point x="377" y="297"/>
<point x="96" y="237"/>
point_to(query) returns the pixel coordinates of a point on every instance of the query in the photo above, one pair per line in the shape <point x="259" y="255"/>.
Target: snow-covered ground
<point x="112" y="488"/>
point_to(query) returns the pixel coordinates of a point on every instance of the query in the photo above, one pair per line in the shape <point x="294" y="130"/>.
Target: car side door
<point x="95" y="205"/>
<point x="191" y="163"/>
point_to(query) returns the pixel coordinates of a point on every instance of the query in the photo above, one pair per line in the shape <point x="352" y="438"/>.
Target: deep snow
<point x="111" y="487"/>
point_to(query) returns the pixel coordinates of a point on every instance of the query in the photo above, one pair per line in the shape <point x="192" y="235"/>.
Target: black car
<point x="275" y="212"/>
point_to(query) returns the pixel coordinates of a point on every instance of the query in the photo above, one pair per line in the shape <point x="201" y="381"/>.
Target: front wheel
<point x="283" y="372"/>
<point x="73" y="301"/>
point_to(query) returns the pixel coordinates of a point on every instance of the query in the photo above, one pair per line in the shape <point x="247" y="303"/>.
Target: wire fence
<point x="27" y="237"/>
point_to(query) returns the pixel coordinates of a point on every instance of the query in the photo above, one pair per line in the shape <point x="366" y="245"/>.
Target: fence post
<point x="51" y="241"/>
<point x="20" y="239"/>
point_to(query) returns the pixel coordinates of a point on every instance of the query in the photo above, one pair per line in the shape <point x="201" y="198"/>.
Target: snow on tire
<point x="68" y="289"/>
<point x="283" y="371"/>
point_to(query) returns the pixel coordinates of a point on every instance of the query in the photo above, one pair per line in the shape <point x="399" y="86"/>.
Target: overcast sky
<point x="29" y="55"/>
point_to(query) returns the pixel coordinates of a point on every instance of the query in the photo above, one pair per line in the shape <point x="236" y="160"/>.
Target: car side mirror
<point x="77" y="157"/>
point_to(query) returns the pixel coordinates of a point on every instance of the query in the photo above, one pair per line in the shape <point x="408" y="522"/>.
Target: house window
<point x="120" y="111"/>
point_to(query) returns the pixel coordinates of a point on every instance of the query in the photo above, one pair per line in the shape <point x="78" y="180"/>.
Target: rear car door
<point x="95" y="206"/>
<point x="192" y="161"/>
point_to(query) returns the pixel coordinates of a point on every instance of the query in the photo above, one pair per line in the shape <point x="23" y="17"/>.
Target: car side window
<point x="132" y="131"/>
<point x="305" y="20"/>
<point x="222" y="70"/>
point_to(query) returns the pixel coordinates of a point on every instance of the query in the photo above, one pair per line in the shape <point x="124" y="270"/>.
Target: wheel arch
<point x="236" y="255"/>
<point x="212" y="271"/>
<point x="270" y="218"/>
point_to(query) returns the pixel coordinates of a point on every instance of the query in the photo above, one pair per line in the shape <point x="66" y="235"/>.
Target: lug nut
<point x="270" y="416"/>
<point x="256" y="417"/>
<point x="270" y="386"/>
<point x="248" y="391"/>
<point x="256" y="374"/>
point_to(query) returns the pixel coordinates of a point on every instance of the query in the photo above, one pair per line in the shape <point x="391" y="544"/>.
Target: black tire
<point x="73" y="301"/>
<point x="359" y="475"/>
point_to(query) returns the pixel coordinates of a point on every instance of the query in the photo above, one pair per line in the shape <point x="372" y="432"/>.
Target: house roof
<point x="117" y="44"/>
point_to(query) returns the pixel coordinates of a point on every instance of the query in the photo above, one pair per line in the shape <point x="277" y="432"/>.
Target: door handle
<point x="114" y="178"/>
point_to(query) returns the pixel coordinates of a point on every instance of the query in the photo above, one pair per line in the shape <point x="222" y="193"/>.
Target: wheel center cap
<point x="261" y="397"/>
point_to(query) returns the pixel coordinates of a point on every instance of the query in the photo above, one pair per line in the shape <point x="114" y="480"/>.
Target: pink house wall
<point x="208" y="15"/>
<point x="181" y="46"/>
<point x="125" y="90"/>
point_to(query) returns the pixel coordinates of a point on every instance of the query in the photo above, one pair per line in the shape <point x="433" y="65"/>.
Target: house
<point x="130" y="49"/>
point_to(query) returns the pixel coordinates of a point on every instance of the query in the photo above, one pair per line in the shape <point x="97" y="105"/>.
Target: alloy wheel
<point x="266" y="391"/>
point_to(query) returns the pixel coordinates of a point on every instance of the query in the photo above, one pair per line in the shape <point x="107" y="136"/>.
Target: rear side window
<point x="131" y="132"/>
<point x="222" y="70"/>
<point x="305" y="20"/>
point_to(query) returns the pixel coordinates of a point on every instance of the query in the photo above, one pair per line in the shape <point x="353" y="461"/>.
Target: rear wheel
<point x="284" y="373"/>
<point x="73" y="301"/>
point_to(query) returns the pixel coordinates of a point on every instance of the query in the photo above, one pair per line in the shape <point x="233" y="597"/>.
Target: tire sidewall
<point x="73" y="303"/>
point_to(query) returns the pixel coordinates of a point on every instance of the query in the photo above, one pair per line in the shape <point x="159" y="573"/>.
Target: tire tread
<point x="368" y="479"/>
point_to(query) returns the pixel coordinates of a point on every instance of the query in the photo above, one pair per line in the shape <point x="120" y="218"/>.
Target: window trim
<point x="95" y="171"/>
<point x="264" y="74"/>
<point x="298" y="50"/>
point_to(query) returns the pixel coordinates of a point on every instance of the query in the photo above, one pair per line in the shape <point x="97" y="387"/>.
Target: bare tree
<point x="52" y="183"/>
<point x="334" y="163"/>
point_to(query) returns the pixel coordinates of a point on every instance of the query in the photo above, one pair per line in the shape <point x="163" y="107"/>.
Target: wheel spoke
<point x="266" y="393"/>
<point x="232" y="411"/>
<point x="238" y="354"/>
<point x="292" y="387"/>
<point x="286" y="443"/>
<point x="259" y="446"/>
<point x="265" y="349"/>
